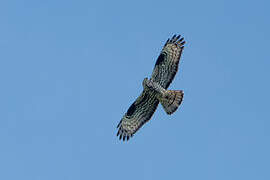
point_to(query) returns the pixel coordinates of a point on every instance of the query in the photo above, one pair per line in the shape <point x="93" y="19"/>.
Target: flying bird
<point x="155" y="90"/>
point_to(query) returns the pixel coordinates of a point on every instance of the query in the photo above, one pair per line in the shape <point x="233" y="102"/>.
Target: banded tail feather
<point x="171" y="100"/>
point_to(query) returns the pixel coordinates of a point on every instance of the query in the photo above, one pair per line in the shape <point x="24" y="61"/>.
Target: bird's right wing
<point x="167" y="63"/>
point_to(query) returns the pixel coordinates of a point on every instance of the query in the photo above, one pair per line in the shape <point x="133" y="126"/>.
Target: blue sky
<point x="69" y="70"/>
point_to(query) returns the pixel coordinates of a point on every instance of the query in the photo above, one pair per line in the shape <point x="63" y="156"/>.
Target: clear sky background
<point x="70" y="69"/>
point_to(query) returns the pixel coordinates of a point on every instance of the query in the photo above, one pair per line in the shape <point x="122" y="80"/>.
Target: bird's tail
<point x="171" y="100"/>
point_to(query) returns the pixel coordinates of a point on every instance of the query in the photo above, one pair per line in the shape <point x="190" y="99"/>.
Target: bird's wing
<point x="137" y="115"/>
<point x="167" y="63"/>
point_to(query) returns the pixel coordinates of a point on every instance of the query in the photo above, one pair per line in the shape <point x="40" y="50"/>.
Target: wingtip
<point x="123" y="135"/>
<point x="177" y="39"/>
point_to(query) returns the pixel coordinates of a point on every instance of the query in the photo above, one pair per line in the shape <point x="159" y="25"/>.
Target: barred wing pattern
<point x="145" y="105"/>
<point x="138" y="114"/>
<point x="167" y="63"/>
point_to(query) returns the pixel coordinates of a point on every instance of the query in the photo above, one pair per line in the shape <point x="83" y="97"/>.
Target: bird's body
<point x="155" y="90"/>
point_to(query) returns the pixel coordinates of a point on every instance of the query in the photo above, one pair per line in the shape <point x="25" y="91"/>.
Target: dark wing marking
<point x="131" y="109"/>
<point x="167" y="63"/>
<point x="137" y="115"/>
<point x="161" y="58"/>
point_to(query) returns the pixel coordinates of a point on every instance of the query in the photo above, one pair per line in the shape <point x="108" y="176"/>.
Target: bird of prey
<point x="155" y="90"/>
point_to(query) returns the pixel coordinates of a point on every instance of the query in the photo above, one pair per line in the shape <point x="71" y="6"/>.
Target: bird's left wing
<point x="137" y="115"/>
